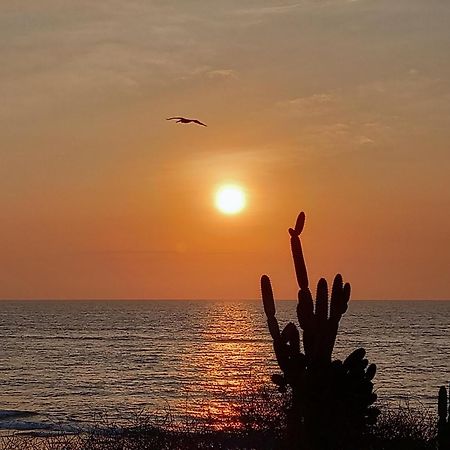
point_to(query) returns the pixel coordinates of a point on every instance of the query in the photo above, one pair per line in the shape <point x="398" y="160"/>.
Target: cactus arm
<point x="371" y="371"/>
<point x="267" y="296"/>
<point x="299" y="263"/>
<point x="340" y="296"/>
<point x="305" y="310"/>
<point x="305" y="314"/>
<point x="286" y="343"/>
<point x="305" y="307"/>
<point x="322" y="350"/>
<point x="346" y="297"/>
<point x="321" y="312"/>
<point x="269" y="307"/>
<point x="297" y="252"/>
<point x="300" y="223"/>
<point x="336" y="299"/>
<point x="279" y="341"/>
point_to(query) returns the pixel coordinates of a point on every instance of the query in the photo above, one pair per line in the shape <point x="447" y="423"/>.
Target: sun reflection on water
<point x="225" y="368"/>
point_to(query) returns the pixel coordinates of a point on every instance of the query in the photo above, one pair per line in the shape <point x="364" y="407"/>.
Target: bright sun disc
<point x="230" y="199"/>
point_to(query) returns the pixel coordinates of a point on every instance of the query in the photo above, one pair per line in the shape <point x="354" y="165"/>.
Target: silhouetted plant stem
<point x="444" y="419"/>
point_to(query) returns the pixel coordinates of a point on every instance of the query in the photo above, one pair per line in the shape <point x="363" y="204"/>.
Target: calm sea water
<point x="67" y="361"/>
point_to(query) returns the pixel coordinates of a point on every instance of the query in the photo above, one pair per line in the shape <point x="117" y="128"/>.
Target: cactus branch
<point x="297" y="253"/>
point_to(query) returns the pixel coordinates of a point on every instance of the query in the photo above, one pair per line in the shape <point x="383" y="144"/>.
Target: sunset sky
<point x="338" y="108"/>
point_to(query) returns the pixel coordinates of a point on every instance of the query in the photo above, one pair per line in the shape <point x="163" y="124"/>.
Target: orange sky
<point x="338" y="108"/>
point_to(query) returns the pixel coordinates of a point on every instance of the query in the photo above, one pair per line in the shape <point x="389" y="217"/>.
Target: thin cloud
<point x="314" y="104"/>
<point x="221" y="74"/>
<point x="268" y="10"/>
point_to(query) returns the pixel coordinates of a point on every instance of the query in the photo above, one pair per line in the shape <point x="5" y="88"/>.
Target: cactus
<point x="444" y="419"/>
<point x="330" y="399"/>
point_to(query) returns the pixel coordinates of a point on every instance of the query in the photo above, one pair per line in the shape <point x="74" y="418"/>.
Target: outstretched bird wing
<point x="173" y="118"/>
<point x="200" y="123"/>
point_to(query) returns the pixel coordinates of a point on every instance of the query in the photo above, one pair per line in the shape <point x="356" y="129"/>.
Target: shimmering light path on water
<point x="70" y="360"/>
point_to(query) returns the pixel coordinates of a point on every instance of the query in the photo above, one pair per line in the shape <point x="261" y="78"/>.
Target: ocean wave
<point x="12" y="413"/>
<point x="16" y="420"/>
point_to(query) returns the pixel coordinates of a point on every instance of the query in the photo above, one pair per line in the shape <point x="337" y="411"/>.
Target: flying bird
<point x="184" y="120"/>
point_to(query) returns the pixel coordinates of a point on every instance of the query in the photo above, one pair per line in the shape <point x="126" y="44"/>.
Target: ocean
<point x="65" y="363"/>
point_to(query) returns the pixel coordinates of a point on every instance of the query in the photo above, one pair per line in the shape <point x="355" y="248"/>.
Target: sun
<point x="230" y="199"/>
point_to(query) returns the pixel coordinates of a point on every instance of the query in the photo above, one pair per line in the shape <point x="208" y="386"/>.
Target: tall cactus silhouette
<point x="331" y="400"/>
<point x="444" y="419"/>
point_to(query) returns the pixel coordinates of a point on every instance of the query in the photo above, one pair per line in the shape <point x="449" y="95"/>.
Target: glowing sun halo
<point x="230" y="199"/>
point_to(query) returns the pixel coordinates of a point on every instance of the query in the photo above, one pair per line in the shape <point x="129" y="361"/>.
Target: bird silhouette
<point x="184" y="120"/>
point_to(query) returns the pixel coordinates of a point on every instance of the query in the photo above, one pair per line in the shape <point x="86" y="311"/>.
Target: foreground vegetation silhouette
<point x="331" y="400"/>
<point x="261" y="427"/>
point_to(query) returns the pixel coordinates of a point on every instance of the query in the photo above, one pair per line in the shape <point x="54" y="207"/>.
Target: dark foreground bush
<point x="404" y="427"/>
<point x="258" y="423"/>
